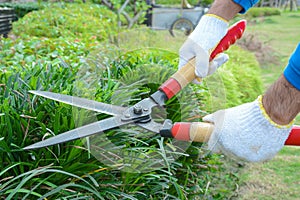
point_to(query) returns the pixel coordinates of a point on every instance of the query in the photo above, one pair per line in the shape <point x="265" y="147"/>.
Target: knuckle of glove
<point x="216" y="63"/>
<point x="220" y="59"/>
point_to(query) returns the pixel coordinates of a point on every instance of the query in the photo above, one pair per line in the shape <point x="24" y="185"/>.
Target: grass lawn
<point x="276" y="179"/>
<point x="282" y="34"/>
<point x="280" y="177"/>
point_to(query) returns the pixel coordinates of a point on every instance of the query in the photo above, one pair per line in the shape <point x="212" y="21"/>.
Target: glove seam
<point x="259" y="99"/>
<point x="218" y="17"/>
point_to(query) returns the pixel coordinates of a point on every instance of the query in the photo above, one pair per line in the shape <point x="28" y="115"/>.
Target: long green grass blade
<point x="8" y="168"/>
<point x="65" y="186"/>
<point x="25" y="191"/>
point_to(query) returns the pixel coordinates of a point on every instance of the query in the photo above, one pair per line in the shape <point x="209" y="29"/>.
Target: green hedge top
<point x="81" y="21"/>
<point x="21" y="9"/>
<point x="262" y="11"/>
<point x="178" y="2"/>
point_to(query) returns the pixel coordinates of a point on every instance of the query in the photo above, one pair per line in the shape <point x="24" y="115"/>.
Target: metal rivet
<point x="137" y="109"/>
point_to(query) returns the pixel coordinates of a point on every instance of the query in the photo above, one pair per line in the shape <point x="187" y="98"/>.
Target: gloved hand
<point x="246" y="132"/>
<point x="201" y="42"/>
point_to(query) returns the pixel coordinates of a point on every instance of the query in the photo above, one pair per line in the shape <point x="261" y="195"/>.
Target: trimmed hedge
<point x="81" y="21"/>
<point x="21" y="9"/>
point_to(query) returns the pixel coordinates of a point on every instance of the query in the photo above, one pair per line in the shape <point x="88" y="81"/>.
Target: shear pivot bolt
<point x="137" y="109"/>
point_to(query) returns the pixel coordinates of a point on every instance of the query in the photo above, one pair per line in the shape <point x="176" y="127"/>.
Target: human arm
<point x="225" y="9"/>
<point x="282" y="99"/>
<point x="256" y="131"/>
<point x="230" y="8"/>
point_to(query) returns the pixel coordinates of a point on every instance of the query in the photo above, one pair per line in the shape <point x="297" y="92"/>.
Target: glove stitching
<point x="218" y="17"/>
<point x="259" y="99"/>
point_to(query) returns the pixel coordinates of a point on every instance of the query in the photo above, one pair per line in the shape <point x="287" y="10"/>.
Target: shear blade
<point x="81" y="102"/>
<point x="81" y="132"/>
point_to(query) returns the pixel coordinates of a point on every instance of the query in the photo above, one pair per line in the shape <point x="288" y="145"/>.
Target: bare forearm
<point x="226" y="9"/>
<point x="282" y="101"/>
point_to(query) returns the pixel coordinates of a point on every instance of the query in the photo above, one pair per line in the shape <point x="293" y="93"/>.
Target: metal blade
<point x="81" y="102"/>
<point x="81" y="132"/>
<point x="151" y="126"/>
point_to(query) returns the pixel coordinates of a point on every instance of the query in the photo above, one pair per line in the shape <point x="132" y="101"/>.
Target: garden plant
<point x="78" y="49"/>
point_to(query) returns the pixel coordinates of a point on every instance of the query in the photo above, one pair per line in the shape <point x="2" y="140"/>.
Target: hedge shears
<point x="140" y="113"/>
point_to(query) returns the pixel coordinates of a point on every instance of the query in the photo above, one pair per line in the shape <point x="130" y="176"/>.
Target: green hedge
<point x="82" y="21"/>
<point x="178" y="2"/>
<point x="120" y="75"/>
<point x="262" y="11"/>
<point x="21" y="9"/>
<point x="69" y="170"/>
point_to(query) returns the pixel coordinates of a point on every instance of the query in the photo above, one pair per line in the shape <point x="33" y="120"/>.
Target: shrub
<point x="21" y="9"/>
<point x="27" y="51"/>
<point x="38" y="64"/>
<point x="261" y="12"/>
<point x="176" y="2"/>
<point x="69" y="170"/>
<point x="82" y="21"/>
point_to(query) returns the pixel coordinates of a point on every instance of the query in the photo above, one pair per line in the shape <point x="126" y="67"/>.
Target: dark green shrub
<point x="83" y="21"/>
<point x="21" y="9"/>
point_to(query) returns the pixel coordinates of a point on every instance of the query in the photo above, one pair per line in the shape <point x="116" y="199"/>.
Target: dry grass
<point x="263" y="51"/>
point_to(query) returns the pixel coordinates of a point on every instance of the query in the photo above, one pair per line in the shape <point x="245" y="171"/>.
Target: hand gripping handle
<point x="198" y="131"/>
<point x="201" y="131"/>
<point x="187" y="73"/>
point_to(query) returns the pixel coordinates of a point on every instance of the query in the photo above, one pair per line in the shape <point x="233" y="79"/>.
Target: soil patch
<point x="264" y="53"/>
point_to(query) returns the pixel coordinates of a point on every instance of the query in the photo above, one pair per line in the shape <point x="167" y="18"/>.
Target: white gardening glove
<point x="246" y="132"/>
<point x="201" y="42"/>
